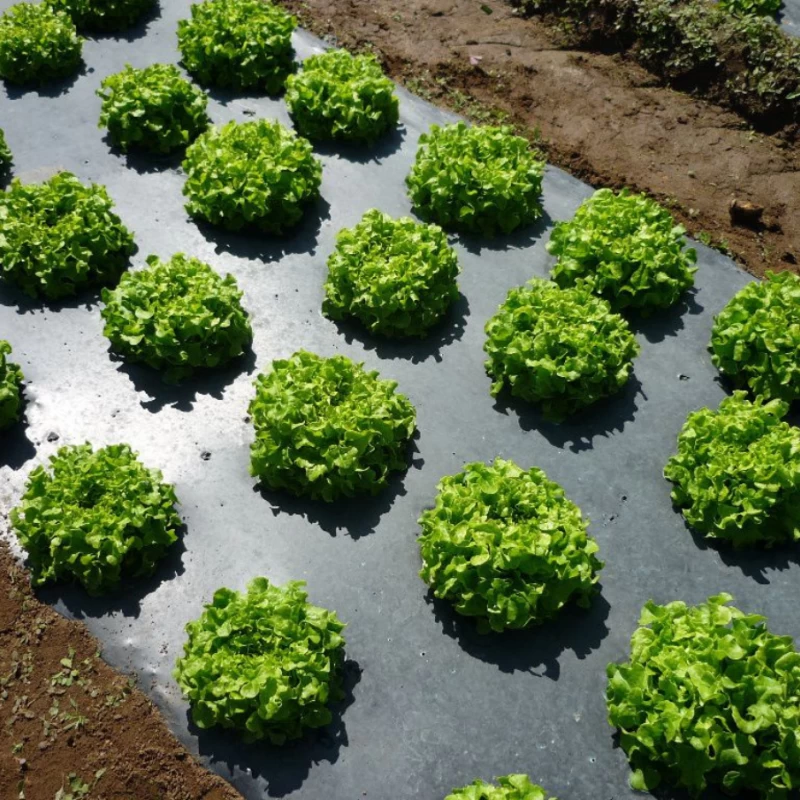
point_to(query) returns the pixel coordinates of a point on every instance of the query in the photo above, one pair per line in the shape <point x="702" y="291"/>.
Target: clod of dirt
<point x="743" y="212"/>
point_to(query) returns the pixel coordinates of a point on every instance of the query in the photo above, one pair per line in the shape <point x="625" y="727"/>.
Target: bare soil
<point x="71" y="724"/>
<point x="601" y="117"/>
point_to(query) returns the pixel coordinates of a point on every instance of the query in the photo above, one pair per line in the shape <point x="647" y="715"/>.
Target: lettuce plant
<point x="10" y="387"/>
<point x="396" y="276"/>
<point x="37" y="44"/>
<point x="481" y="179"/>
<point x="251" y="175"/>
<point x="325" y="427"/>
<point x="506" y="546"/>
<point x="177" y="316"/>
<point x="737" y="472"/>
<point x="708" y="698"/>
<point x="510" y="787"/>
<point x="60" y="236"/>
<point x="154" y="108"/>
<point x="341" y="96"/>
<point x="238" y="44"/>
<point x="95" y="517"/>
<point x="562" y="348"/>
<point x="755" y="340"/>
<point x="104" y="16"/>
<point x="5" y="155"/>
<point x="626" y="249"/>
<point x="265" y="662"/>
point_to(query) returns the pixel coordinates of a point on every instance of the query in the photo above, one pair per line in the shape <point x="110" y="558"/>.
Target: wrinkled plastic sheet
<point x="431" y="704"/>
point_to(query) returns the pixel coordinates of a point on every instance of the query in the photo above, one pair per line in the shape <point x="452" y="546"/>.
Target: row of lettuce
<point x="562" y="344"/>
<point x="708" y="696"/>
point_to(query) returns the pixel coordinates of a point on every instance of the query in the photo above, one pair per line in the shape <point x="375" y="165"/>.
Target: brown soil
<point x="601" y="117"/>
<point x="71" y="724"/>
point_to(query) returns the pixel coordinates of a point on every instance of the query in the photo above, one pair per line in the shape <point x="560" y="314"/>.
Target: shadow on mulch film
<point x="446" y="332"/>
<point x="183" y="396"/>
<point x="284" y="768"/>
<point x="603" y="418"/>
<point x="136" y="31"/>
<point x="668" y="322"/>
<point x="256" y="246"/>
<point x="16" y="449"/>
<point x="361" y="153"/>
<point x="50" y="88"/>
<point x="536" y="649"/>
<point x="754" y="562"/>
<point x="11" y="296"/>
<point x="356" y="516"/>
<point x="516" y="240"/>
<point x="127" y="598"/>
<point x="143" y="162"/>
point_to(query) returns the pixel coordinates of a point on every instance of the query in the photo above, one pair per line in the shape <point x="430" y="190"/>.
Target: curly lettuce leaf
<point x="238" y="44"/>
<point x="5" y="155"/>
<point x="251" y="175"/>
<point x="342" y="97"/>
<point x="509" y="787"/>
<point x="177" y="316"/>
<point x="104" y="16"/>
<point x="736" y="474"/>
<point x="10" y="387"/>
<point x="624" y="248"/>
<point x="154" y="109"/>
<point x="38" y="44"/>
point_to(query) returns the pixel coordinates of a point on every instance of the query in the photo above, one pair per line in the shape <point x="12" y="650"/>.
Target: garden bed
<point x="602" y="117"/>
<point x="430" y="703"/>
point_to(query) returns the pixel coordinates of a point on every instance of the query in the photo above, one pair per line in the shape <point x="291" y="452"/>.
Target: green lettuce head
<point x="506" y="546"/>
<point x="756" y="338"/>
<point x="238" y="44"/>
<point x="153" y="109"/>
<point x="38" y="44"/>
<point x="396" y="276"/>
<point x="624" y="248"/>
<point x="480" y="179"/>
<point x="251" y="176"/>
<point x="343" y="97"/>
<point x="563" y="349"/>
<point x="326" y="428"/>
<point x="10" y="388"/>
<point x="104" y="16"/>
<point x="736" y="474"/>
<point x="510" y="787"/>
<point x="708" y="698"/>
<point x="95" y="517"/>
<point x="265" y="662"/>
<point x="60" y="237"/>
<point x="177" y="316"/>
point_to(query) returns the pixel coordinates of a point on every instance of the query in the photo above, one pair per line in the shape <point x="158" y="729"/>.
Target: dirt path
<point x="70" y="723"/>
<point x="601" y="117"/>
